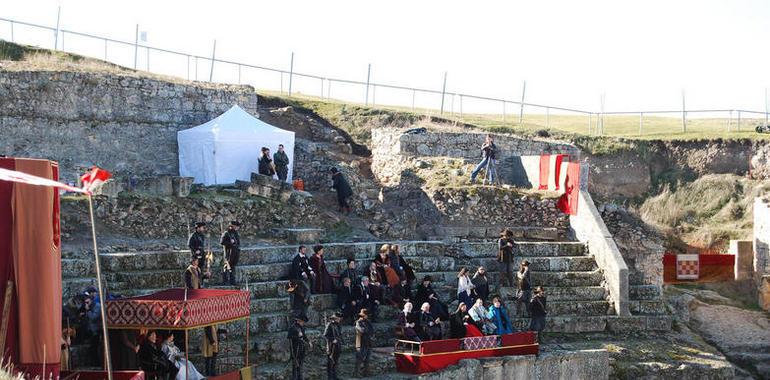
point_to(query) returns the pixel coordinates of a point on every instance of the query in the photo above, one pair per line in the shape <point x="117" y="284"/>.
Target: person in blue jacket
<point x="499" y="317"/>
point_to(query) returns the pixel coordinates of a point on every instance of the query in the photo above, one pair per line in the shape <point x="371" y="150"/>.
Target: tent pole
<point x="102" y="299"/>
<point x="186" y="356"/>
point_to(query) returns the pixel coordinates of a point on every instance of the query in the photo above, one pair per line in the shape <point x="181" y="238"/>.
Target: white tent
<point x="227" y="148"/>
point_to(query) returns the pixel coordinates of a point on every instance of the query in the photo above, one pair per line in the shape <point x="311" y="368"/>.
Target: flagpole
<point x="102" y="299"/>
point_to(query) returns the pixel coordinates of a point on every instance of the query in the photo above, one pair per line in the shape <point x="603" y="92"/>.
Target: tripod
<point x="491" y="173"/>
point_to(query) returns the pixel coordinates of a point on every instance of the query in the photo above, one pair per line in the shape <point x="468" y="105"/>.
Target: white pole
<point x="684" y="114"/>
<point x="443" y="93"/>
<point x="503" y="111"/>
<point x="368" y="77"/>
<point x="547" y="117"/>
<point x="414" y="93"/>
<point x="589" y="123"/>
<point x="521" y="109"/>
<point x="641" y="122"/>
<point x="213" y="55"/>
<point x="12" y="40"/>
<point x="291" y="71"/>
<point x="461" y="105"/>
<point x="329" y="90"/>
<point x="105" y="49"/>
<point x="56" y="33"/>
<point x="765" y="106"/>
<point x="136" y="46"/>
<point x="100" y="288"/>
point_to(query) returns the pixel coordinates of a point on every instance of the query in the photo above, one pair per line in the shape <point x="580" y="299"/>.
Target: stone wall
<point x="122" y="122"/>
<point x="641" y="245"/>
<point x="557" y="365"/>
<point x="392" y="148"/>
<point x="151" y="217"/>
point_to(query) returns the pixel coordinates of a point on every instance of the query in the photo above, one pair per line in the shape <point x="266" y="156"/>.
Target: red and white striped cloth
<point x="91" y="180"/>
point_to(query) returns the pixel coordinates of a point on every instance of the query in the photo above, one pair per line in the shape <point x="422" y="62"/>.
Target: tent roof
<point x="235" y="123"/>
<point x="168" y="309"/>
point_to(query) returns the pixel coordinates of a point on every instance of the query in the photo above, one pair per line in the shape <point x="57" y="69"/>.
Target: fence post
<point x="641" y="122"/>
<point x="461" y="105"/>
<point x="329" y="90"/>
<point x="188" y="67"/>
<point x="56" y="33"/>
<point x="368" y="76"/>
<point x="521" y="109"/>
<point x="196" y="67"/>
<point x="239" y="73"/>
<point x="148" y="59"/>
<point x="503" y="111"/>
<point x="589" y="123"/>
<point x="213" y="55"/>
<point x="322" y="88"/>
<point x="281" y="82"/>
<point x="684" y="115"/>
<point x="136" y="50"/>
<point x="105" y="49"/>
<point x="452" y="106"/>
<point x="765" y="106"/>
<point x="374" y="94"/>
<point x="414" y="93"/>
<point x="443" y="92"/>
<point x="291" y="71"/>
<point x="12" y="40"/>
<point x="548" y="117"/>
<point x="739" y="120"/>
<point x="730" y="121"/>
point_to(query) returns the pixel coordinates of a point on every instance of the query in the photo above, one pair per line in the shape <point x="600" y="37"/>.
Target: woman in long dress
<point x="176" y="356"/>
<point x="465" y="287"/>
<point x="324" y="284"/>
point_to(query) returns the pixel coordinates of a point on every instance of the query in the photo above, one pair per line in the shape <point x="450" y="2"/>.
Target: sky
<point x="641" y="54"/>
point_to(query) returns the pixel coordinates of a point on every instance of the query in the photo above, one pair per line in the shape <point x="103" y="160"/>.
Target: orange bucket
<point x="299" y="185"/>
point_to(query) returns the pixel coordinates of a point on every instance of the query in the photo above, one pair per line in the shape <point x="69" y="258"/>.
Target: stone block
<point x="519" y="367"/>
<point x="181" y="186"/>
<point x="159" y="186"/>
<point x="301" y="235"/>
<point x="763" y="291"/>
<point x="626" y="324"/>
<point x="744" y="258"/>
<point x="110" y="189"/>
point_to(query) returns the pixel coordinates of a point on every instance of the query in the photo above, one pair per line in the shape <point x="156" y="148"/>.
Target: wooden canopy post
<point x="186" y="357"/>
<point x="246" y="357"/>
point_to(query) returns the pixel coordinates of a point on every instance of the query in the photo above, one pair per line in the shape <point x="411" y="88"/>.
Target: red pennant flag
<point x="94" y="179"/>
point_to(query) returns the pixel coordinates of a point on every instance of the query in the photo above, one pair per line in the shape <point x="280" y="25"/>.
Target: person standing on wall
<point x="524" y="292"/>
<point x="341" y="185"/>
<point x="488" y="152"/>
<point x="197" y="241"/>
<point x="266" y="166"/>
<point x="231" y="242"/>
<point x="281" y="161"/>
<point x="505" y="256"/>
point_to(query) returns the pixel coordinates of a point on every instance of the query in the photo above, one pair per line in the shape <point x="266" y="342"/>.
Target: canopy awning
<point x="171" y="309"/>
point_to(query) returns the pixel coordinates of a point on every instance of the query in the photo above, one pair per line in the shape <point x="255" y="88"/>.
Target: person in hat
<point x="297" y="345"/>
<point x="281" y="161"/>
<point x="537" y="312"/>
<point x="505" y="256"/>
<point x="341" y="185"/>
<point x="333" y="335"/>
<point x="324" y="284"/>
<point x="197" y="241"/>
<point x="524" y="292"/>
<point x="364" y="331"/>
<point x="193" y="276"/>
<point x="300" y="297"/>
<point x="231" y="242"/>
<point x="266" y="166"/>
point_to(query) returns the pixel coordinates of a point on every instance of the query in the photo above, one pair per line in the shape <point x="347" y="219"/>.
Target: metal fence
<point x="466" y="106"/>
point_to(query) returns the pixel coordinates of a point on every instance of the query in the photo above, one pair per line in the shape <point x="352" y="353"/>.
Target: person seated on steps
<point x="378" y="285"/>
<point x="524" y="292"/>
<point x="299" y="295"/>
<point x="499" y="317"/>
<point x="153" y="361"/>
<point x="382" y="261"/>
<point x="407" y="321"/>
<point x="429" y="324"/>
<point x="461" y="324"/>
<point x="346" y="300"/>
<point x="351" y="271"/>
<point x="425" y="293"/>
<point x="480" y="316"/>
<point x="538" y="311"/>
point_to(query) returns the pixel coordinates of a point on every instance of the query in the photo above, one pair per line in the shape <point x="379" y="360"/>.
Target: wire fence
<point x="468" y="107"/>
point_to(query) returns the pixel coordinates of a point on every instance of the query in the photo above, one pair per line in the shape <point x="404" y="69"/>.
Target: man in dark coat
<point x="231" y="242"/>
<point x="333" y="335"/>
<point x="297" y="342"/>
<point x="538" y="311"/>
<point x="300" y="268"/>
<point x="153" y="361"/>
<point x="341" y="185"/>
<point x="197" y="241"/>
<point x="351" y="272"/>
<point x="366" y="299"/>
<point x="481" y="283"/>
<point x="300" y="297"/>
<point x="425" y="293"/>
<point x="364" y="331"/>
<point x="266" y="164"/>
<point x="281" y="161"/>
<point x="346" y="299"/>
<point x="505" y="256"/>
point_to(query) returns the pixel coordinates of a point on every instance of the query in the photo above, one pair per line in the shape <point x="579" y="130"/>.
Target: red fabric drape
<point x="6" y="262"/>
<point x="568" y="202"/>
<point x="37" y="260"/>
<point x="557" y="170"/>
<point x="712" y="268"/>
<point x="545" y="168"/>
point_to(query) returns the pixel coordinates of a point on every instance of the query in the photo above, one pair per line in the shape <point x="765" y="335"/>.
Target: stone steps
<point x="548" y="264"/>
<point x="644" y="292"/>
<point x="572" y="293"/>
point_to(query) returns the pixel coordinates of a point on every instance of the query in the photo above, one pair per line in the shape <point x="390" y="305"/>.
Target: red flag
<point x="94" y="179"/>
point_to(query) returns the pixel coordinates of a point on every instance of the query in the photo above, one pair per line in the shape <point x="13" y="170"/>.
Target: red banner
<point x="703" y="268"/>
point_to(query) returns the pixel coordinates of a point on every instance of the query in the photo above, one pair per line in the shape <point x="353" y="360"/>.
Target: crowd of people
<point x="387" y="280"/>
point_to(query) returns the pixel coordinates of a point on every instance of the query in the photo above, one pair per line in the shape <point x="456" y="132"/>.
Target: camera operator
<point x="488" y="152"/>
